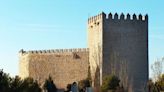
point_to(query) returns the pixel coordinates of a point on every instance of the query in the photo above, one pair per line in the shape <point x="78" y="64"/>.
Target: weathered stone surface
<point x="63" y="67"/>
<point x="117" y="45"/>
<point x="23" y="65"/>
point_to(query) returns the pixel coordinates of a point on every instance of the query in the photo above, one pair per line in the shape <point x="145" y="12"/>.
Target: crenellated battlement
<point x="117" y="43"/>
<point x="96" y="18"/>
<point x="116" y="16"/>
<point x="122" y="16"/>
<point x="53" y="51"/>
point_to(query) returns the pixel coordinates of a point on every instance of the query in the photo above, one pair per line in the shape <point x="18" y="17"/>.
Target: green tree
<point x="4" y="81"/>
<point x="160" y="83"/>
<point x="15" y="84"/>
<point x="30" y="85"/>
<point x="49" y="85"/>
<point x="152" y="87"/>
<point x="110" y="83"/>
<point x="8" y="84"/>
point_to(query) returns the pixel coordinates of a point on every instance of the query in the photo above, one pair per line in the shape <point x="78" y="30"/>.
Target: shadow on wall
<point x="97" y="78"/>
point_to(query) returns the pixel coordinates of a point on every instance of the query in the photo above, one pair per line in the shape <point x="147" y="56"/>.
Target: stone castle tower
<point x="116" y="45"/>
<point x="119" y="46"/>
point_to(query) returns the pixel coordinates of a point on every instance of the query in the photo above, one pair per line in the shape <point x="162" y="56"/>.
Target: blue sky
<point x="50" y="24"/>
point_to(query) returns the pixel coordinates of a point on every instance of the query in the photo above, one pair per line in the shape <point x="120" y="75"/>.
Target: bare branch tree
<point x="157" y="68"/>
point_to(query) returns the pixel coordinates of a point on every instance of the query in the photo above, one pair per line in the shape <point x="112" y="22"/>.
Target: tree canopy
<point x="49" y="85"/>
<point x="16" y="84"/>
<point x="110" y="82"/>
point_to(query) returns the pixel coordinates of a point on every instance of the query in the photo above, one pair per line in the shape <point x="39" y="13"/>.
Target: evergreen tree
<point x="110" y="83"/>
<point x="49" y="85"/>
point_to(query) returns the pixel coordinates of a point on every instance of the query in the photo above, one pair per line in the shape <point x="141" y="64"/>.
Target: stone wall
<point x="23" y="65"/>
<point x="95" y="32"/>
<point x="64" y="66"/>
<point x="119" y="45"/>
<point x="125" y="50"/>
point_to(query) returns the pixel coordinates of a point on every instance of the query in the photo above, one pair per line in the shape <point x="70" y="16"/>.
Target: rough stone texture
<point x="124" y="48"/>
<point x="23" y="65"/>
<point x="117" y="46"/>
<point x="125" y="51"/>
<point x="95" y="30"/>
<point x="65" y="67"/>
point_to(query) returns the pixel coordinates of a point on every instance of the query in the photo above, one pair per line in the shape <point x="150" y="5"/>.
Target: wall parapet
<point x="97" y="17"/>
<point x="54" y="51"/>
<point x="117" y="16"/>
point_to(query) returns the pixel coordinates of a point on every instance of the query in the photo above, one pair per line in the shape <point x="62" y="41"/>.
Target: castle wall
<point x="23" y="65"/>
<point x="64" y="66"/>
<point x="125" y="50"/>
<point x="117" y="45"/>
<point x="95" y="30"/>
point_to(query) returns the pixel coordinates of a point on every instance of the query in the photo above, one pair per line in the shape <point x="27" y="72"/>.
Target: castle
<point x="117" y="44"/>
